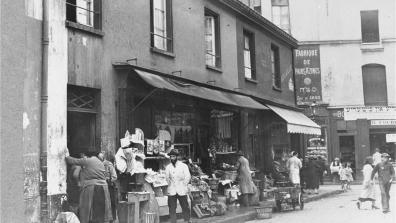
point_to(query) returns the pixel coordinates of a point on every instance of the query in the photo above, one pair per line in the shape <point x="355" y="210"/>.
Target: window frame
<point x="95" y="12"/>
<point x="168" y="23"/>
<point x="362" y="27"/>
<point x="217" y="40"/>
<point x="252" y="55"/>
<point x="367" y="95"/>
<point x="275" y="68"/>
<point x="281" y="4"/>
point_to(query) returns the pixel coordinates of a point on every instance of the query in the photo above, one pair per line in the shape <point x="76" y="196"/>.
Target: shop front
<point x="209" y="127"/>
<point x="357" y="131"/>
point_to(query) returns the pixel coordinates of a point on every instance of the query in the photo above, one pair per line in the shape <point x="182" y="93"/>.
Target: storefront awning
<point x="200" y="92"/>
<point x="297" y="122"/>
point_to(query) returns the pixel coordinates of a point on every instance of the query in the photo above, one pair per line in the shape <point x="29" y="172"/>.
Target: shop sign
<point x="390" y="137"/>
<point x="383" y="122"/>
<point x="370" y="113"/>
<point x="307" y="74"/>
<point x="338" y="114"/>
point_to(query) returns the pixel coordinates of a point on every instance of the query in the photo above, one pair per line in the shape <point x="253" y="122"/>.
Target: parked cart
<point x="287" y="198"/>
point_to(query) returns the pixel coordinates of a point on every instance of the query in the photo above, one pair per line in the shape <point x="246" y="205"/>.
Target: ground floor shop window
<point x="378" y="140"/>
<point x="317" y="145"/>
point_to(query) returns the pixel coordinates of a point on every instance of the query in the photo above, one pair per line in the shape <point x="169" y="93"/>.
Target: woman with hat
<point x="335" y="167"/>
<point x="368" y="193"/>
<point x="246" y="185"/>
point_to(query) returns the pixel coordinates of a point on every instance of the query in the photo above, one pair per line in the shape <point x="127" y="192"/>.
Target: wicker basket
<point x="264" y="212"/>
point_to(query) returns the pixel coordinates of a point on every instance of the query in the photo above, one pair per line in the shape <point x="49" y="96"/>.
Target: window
<point x="369" y="24"/>
<point x="275" y="67"/>
<point x="248" y="55"/>
<point x="161" y="25"/>
<point x="280" y="14"/>
<point x="212" y="39"/>
<point x="374" y="85"/>
<point x="253" y="4"/>
<point x="84" y="12"/>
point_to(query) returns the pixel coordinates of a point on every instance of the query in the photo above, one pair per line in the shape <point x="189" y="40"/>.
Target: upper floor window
<point x="369" y="24"/>
<point x="84" y="12"/>
<point x="248" y="55"/>
<point x="212" y="39"/>
<point x="374" y="85"/>
<point x="253" y="4"/>
<point x="275" y="67"/>
<point x="161" y="25"/>
<point x="280" y="14"/>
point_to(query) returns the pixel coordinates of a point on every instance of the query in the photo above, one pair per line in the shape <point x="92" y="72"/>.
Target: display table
<point x="137" y="198"/>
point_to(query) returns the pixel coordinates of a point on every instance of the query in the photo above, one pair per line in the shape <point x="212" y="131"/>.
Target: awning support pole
<point x="144" y="99"/>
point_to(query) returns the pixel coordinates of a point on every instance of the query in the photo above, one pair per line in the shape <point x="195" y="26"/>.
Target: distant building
<point x="356" y="41"/>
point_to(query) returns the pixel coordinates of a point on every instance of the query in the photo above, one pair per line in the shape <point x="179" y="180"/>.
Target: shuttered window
<point x="374" y="85"/>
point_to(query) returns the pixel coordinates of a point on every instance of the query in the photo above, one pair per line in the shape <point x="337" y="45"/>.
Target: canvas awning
<point x="297" y="122"/>
<point x="200" y="92"/>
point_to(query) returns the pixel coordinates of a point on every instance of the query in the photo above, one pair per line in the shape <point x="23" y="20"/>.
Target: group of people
<point x="342" y="172"/>
<point x="384" y="172"/>
<point x="309" y="174"/>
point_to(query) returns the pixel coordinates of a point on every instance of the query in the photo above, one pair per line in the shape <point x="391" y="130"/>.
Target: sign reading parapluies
<point x="307" y="74"/>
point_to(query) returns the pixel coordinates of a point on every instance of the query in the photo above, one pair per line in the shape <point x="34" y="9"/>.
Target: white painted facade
<point x="336" y="26"/>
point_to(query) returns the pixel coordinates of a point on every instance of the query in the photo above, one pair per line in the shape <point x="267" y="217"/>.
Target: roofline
<point x="125" y="66"/>
<point x="258" y="19"/>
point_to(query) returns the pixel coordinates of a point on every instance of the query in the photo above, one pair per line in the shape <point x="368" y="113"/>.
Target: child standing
<point x="343" y="177"/>
<point x="349" y="172"/>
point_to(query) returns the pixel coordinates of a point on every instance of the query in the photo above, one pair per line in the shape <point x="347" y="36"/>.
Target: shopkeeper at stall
<point x="178" y="177"/>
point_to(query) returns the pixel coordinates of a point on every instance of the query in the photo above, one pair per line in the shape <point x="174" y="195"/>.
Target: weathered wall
<point x="31" y="110"/>
<point x="342" y="82"/>
<point x="13" y="45"/>
<point x="263" y="87"/>
<point x="126" y="25"/>
<point x="57" y="91"/>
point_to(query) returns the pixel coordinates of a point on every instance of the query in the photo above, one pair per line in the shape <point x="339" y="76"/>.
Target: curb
<point x="321" y="196"/>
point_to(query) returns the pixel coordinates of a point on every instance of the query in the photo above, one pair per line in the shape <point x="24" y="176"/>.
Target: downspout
<point x="43" y="117"/>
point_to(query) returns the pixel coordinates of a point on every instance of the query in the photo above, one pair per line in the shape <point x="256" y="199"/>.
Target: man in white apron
<point x="294" y="165"/>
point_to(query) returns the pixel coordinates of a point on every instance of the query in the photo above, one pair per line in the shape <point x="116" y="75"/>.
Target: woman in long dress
<point x="245" y="179"/>
<point x="368" y="193"/>
<point x="94" y="203"/>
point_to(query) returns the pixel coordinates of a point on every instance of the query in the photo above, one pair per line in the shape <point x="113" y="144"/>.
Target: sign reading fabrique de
<point x="308" y="74"/>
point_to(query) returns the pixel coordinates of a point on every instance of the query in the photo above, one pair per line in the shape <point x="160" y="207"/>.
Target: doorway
<point x="347" y="150"/>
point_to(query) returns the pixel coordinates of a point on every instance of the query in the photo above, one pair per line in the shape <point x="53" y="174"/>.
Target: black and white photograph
<point x="197" y="111"/>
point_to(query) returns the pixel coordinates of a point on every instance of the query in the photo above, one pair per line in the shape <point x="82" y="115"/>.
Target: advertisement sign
<point x="370" y="112"/>
<point x="383" y="122"/>
<point x="307" y="74"/>
<point x="390" y="137"/>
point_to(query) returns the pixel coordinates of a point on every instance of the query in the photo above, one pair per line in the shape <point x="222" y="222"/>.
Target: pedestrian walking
<point x="178" y="177"/>
<point x="368" y="193"/>
<point x="246" y="185"/>
<point x="294" y="165"/>
<point x="385" y="176"/>
<point x="322" y="170"/>
<point x="343" y="176"/>
<point x="94" y="205"/>
<point x="335" y="167"/>
<point x="349" y="175"/>
<point x="312" y="177"/>
<point x="376" y="157"/>
<point x="111" y="178"/>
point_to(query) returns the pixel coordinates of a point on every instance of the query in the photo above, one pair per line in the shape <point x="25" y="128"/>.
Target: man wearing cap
<point x="178" y="176"/>
<point x="385" y="176"/>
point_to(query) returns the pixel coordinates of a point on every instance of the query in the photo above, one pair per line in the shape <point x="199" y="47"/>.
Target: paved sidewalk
<point x="242" y="214"/>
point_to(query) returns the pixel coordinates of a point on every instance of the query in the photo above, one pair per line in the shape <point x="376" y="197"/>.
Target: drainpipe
<point x="43" y="117"/>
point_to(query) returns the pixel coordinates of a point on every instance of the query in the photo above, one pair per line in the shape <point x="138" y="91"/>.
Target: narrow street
<point x="339" y="209"/>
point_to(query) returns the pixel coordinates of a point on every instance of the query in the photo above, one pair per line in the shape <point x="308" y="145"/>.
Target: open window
<point x="84" y="12"/>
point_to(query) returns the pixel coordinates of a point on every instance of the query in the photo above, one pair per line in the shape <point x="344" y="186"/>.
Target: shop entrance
<point x="378" y="140"/>
<point x="82" y="131"/>
<point x="347" y="150"/>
